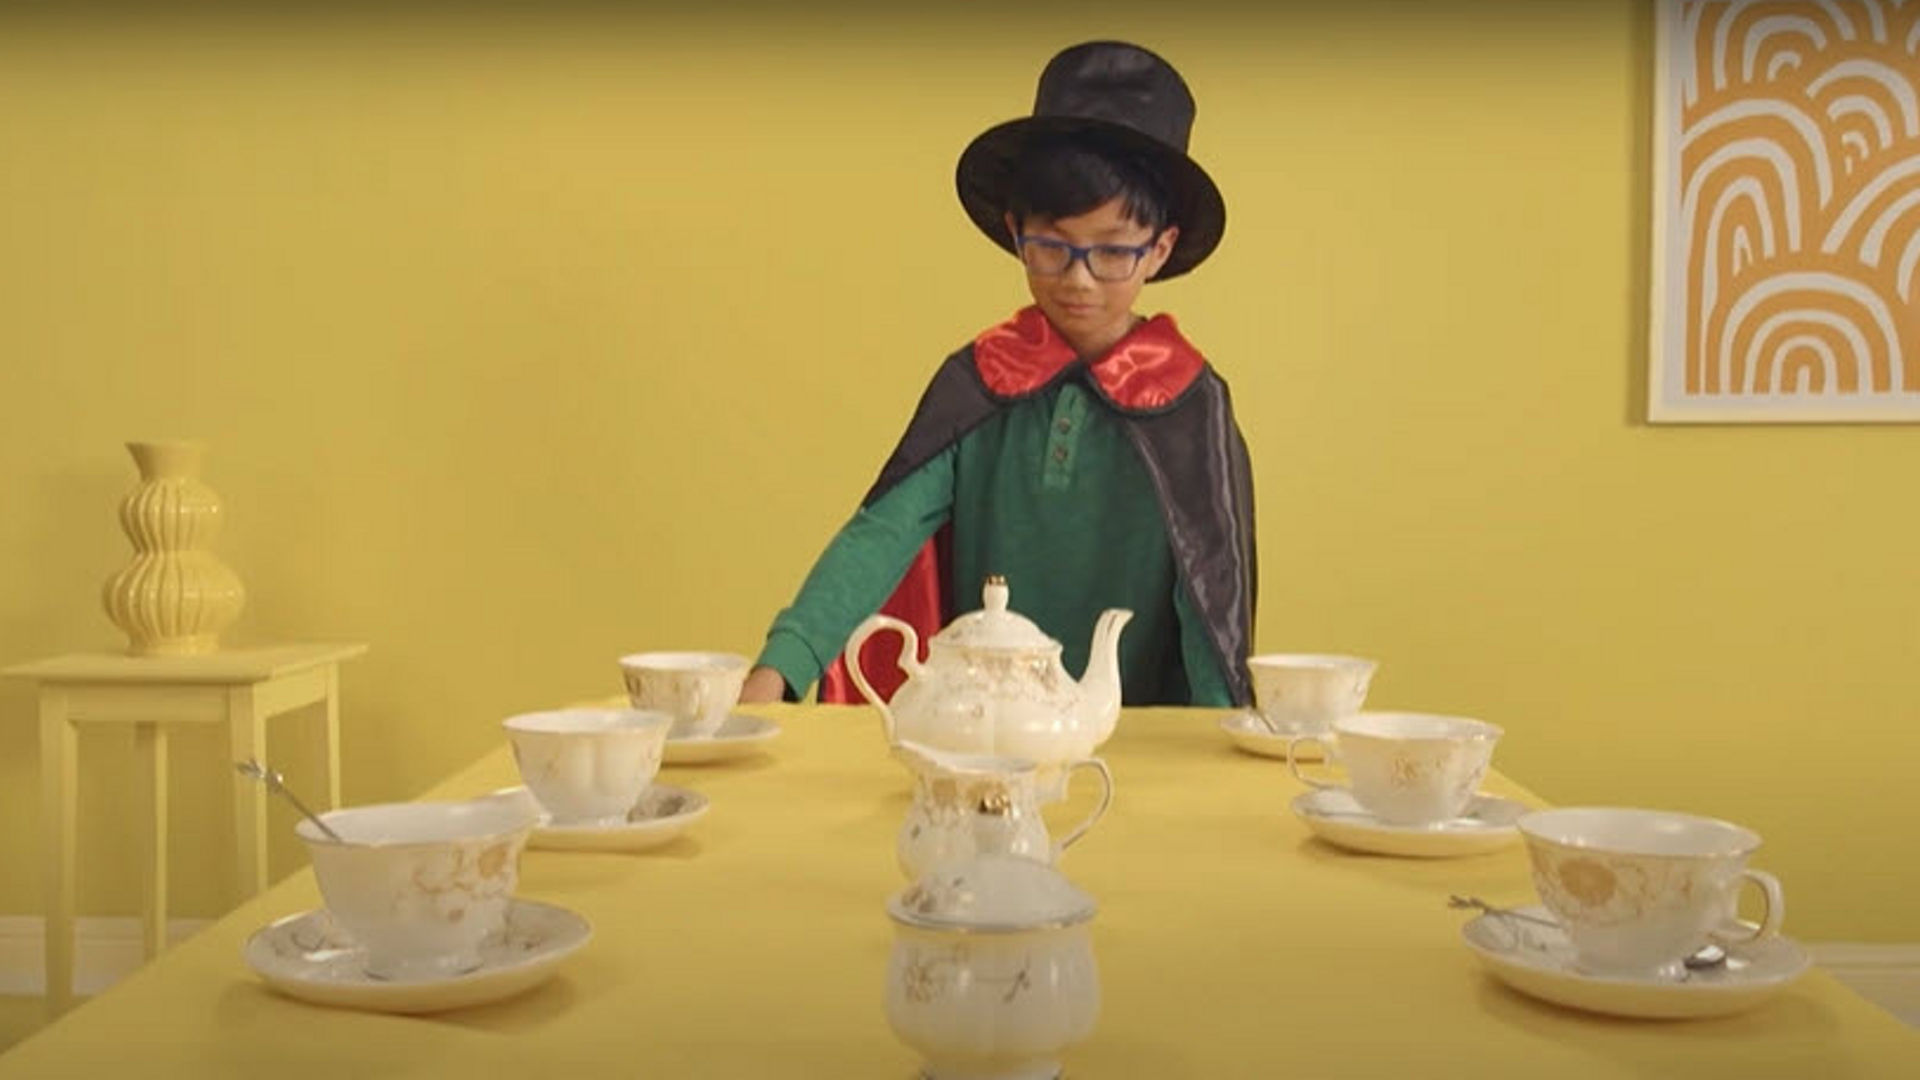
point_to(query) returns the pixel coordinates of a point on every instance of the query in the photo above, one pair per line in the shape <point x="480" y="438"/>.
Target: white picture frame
<point x="1785" y="278"/>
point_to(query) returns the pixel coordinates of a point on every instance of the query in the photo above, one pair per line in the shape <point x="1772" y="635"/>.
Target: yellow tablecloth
<point x="1230" y="944"/>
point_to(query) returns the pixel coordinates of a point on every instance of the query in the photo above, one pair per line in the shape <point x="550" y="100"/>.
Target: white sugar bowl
<point x="992" y="975"/>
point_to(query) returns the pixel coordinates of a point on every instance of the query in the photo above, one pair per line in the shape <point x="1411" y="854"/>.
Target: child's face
<point x="1091" y="313"/>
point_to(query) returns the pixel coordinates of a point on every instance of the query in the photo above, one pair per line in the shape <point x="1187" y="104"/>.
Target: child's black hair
<point x="1065" y="177"/>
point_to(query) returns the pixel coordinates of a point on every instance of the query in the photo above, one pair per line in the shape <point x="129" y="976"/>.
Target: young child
<point x="1086" y="454"/>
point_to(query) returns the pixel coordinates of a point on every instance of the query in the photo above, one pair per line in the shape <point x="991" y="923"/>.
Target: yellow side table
<point x="241" y="688"/>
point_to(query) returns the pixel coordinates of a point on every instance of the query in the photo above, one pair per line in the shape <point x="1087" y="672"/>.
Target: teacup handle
<point x="1293" y="759"/>
<point x="909" y="661"/>
<point x="1769" y="922"/>
<point x="1106" y="798"/>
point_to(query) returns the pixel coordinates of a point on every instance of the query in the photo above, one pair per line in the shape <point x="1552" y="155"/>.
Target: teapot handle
<point x="909" y="661"/>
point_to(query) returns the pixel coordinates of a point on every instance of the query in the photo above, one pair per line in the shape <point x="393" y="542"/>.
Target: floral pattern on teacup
<point x="684" y="696"/>
<point x="1409" y="771"/>
<point x="1444" y="766"/>
<point x="450" y="883"/>
<point x="1601" y="890"/>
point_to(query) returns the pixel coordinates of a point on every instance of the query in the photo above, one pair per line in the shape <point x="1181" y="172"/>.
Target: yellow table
<point x="240" y="688"/>
<point x="1230" y="945"/>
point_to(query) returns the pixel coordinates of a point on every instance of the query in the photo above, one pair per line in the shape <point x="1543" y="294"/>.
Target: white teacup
<point x="588" y="766"/>
<point x="1639" y="890"/>
<point x="421" y="885"/>
<point x="697" y="689"/>
<point x="1407" y="768"/>
<point x="1304" y="693"/>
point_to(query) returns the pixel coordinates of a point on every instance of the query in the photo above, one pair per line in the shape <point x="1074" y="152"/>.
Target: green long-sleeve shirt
<point x="1050" y="493"/>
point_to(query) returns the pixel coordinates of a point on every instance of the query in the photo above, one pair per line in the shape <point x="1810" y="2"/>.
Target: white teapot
<point x="993" y="684"/>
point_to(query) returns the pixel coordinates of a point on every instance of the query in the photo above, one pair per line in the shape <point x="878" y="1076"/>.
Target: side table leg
<point x="150" y="744"/>
<point x="59" y="783"/>
<point x="332" y="734"/>
<point x="247" y="738"/>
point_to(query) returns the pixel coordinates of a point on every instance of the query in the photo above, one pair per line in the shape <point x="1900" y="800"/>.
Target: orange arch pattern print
<point x="1791" y="188"/>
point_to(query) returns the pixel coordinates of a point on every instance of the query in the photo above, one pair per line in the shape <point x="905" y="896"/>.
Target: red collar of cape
<point x="1145" y="371"/>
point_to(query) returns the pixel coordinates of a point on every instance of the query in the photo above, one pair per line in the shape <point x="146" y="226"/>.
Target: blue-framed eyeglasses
<point x="1106" y="262"/>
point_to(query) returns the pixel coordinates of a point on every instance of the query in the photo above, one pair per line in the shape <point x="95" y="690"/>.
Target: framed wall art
<point x="1786" y="212"/>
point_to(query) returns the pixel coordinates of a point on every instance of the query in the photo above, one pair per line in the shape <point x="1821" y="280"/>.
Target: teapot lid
<point x="993" y="626"/>
<point x="993" y="893"/>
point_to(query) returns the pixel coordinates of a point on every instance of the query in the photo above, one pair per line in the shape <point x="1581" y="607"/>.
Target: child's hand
<point x="763" y="684"/>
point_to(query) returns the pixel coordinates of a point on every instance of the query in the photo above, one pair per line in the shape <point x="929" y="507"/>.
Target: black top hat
<point x="1114" y="95"/>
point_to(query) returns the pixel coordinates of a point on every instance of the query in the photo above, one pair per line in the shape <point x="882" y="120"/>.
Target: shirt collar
<point x="1146" y="371"/>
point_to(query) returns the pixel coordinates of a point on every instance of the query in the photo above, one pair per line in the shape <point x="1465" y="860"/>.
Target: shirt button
<point x="1065" y="426"/>
<point x="1059" y="453"/>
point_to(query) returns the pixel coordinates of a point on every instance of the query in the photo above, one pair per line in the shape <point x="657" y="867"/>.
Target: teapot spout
<point x="1100" y="685"/>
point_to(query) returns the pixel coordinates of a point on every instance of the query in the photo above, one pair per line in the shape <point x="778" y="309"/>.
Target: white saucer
<point x="1336" y="817"/>
<point x="663" y="813"/>
<point x="737" y="737"/>
<point x="1250" y="733"/>
<point x="1539" y="961"/>
<point x="307" y="957"/>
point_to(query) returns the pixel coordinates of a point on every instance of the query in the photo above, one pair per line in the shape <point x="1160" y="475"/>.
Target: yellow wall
<point x="522" y="345"/>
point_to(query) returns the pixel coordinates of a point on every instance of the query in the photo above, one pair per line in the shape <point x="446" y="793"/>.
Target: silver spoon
<point x="1477" y="904"/>
<point x="1705" y="958"/>
<point x="278" y="785"/>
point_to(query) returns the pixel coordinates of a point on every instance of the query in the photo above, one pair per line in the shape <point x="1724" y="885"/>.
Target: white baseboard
<point x="1887" y="975"/>
<point x="1842" y="954"/>
<point x="105" y="950"/>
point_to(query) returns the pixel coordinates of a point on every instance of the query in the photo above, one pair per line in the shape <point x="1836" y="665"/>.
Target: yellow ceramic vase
<point x="175" y="597"/>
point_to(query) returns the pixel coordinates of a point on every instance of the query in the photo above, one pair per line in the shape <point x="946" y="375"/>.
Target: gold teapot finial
<point x="994" y="594"/>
